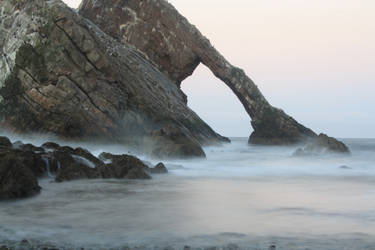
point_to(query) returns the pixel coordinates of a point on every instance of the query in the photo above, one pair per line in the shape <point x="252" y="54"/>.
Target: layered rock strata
<point x="176" y="47"/>
<point x="60" y="73"/>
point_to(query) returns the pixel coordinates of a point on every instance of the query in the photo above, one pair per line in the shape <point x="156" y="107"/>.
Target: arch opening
<point x="216" y="104"/>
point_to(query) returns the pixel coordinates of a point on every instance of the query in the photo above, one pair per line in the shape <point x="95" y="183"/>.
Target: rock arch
<point x="163" y="36"/>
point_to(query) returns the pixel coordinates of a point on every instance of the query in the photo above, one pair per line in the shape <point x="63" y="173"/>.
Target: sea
<point x="241" y="196"/>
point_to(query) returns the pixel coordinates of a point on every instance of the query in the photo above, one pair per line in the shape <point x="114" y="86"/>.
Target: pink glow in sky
<point x="315" y="59"/>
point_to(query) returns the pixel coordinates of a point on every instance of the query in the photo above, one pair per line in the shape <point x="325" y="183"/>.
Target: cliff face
<point x="60" y="73"/>
<point x="176" y="47"/>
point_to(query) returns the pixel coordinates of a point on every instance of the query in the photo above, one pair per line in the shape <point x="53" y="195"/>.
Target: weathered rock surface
<point x="60" y="73"/>
<point x="176" y="47"/>
<point x="322" y="144"/>
<point x="113" y="72"/>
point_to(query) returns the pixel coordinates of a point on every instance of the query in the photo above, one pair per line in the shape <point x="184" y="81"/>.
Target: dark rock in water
<point x="67" y="156"/>
<point x="159" y="169"/>
<point x="123" y="166"/>
<point x="5" y="142"/>
<point x="51" y="145"/>
<point x="272" y="247"/>
<point x="76" y="171"/>
<point x="67" y="149"/>
<point x="106" y="156"/>
<point x="64" y="158"/>
<point x="87" y="155"/>
<point x="31" y="147"/>
<point x="18" y="144"/>
<point x="16" y="179"/>
<point x="322" y="144"/>
<point x="62" y="74"/>
<point x="178" y="49"/>
<point x="137" y="173"/>
<point x="31" y="160"/>
<point x="345" y="167"/>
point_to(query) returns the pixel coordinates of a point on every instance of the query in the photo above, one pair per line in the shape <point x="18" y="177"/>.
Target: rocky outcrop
<point x="176" y="47"/>
<point x="20" y="168"/>
<point x="60" y="73"/>
<point x="322" y="144"/>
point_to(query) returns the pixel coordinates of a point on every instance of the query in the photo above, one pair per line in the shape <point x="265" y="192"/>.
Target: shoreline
<point x="242" y="242"/>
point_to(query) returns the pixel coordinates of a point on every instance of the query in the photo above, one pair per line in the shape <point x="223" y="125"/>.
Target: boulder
<point x="16" y="179"/>
<point x="159" y="169"/>
<point x="5" y="142"/>
<point x="123" y="166"/>
<point x="31" y="160"/>
<point x="76" y="171"/>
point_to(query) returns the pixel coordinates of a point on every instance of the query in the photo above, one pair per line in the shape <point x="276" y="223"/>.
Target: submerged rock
<point x="16" y="179"/>
<point x="159" y="169"/>
<point x="345" y="167"/>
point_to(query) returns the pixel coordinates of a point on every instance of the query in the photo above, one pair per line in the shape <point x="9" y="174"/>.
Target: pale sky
<point x="315" y="59"/>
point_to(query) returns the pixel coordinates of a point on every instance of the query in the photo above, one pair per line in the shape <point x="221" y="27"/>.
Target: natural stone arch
<point x="176" y="47"/>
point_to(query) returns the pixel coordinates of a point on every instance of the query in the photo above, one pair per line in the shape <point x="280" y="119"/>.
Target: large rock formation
<point x="60" y="73"/>
<point x="176" y="47"/>
<point x="113" y="72"/>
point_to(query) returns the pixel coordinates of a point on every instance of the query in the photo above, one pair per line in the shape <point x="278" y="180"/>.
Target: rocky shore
<point x="22" y="164"/>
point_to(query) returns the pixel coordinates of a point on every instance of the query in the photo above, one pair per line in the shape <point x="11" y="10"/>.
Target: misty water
<point x="252" y="196"/>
